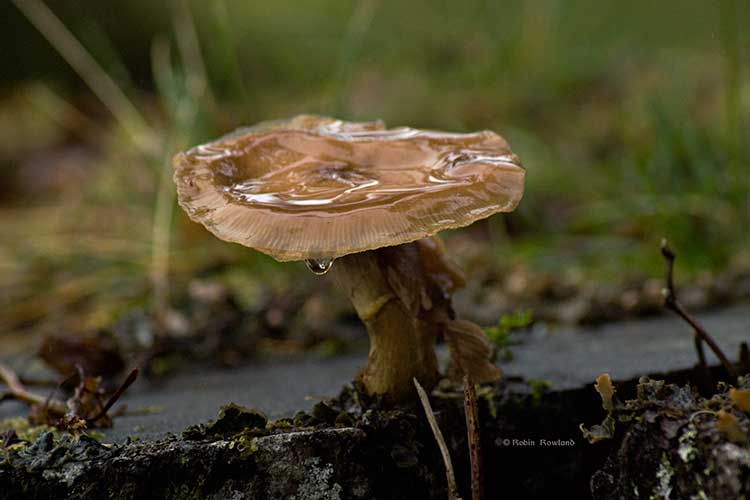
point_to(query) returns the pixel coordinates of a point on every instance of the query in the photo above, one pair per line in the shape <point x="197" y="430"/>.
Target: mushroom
<point x="319" y="189"/>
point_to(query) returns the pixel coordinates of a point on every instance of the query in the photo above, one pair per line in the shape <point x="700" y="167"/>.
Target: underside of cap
<point x="316" y="187"/>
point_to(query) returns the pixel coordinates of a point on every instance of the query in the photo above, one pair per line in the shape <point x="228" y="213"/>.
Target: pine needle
<point x="450" y="476"/>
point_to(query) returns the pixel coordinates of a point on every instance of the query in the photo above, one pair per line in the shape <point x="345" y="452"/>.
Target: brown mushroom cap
<point x="315" y="187"/>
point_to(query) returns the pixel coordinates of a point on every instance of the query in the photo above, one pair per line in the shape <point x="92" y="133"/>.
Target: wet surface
<point x="330" y="173"/>
<point x="319" y="266"/>
<point x="347" y="188"/>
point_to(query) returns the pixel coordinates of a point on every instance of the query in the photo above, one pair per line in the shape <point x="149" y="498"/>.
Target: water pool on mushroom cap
<point x="316" y="188"/>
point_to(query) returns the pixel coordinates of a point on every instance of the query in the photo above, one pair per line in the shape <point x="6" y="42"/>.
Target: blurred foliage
<point x="500" y="334"/>
<point x="631" y="119"/>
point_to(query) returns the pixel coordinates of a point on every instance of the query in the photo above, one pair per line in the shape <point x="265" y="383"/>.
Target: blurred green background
<point x="631" y="118"/>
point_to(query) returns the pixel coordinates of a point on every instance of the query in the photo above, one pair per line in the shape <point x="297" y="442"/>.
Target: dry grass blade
<point x="190" y="51"/>
<point x="89" y="70"/>
<point x="475" y="447"/>
<point x="161" y="238"/>
<point x="450" y="476"/>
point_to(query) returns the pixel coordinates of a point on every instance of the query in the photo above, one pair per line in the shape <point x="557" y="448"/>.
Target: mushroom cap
<point x="315" y="187"/>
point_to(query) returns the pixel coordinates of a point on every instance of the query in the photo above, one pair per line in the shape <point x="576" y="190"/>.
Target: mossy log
<point x="335" y="452"/>
<point x="670" y="442"/>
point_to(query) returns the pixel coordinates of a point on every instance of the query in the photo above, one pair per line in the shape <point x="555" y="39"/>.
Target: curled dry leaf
<point x="606" y="390"/>
<point x="741" y="399"/>
<point x="423" y="278"/>
<point x="605" y="430"/>
<point x="470" y="351"/>
<point x="728" y="425"/>
<point x="97" y="354"/>
<point x="441" y="270"/>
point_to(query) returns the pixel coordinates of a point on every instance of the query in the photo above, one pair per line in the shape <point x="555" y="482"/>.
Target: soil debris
<point x="671" y="439"/>
<point x="88" y="406"/>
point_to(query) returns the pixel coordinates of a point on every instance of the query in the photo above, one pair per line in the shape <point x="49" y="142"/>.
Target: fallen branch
<point x="16" y="390"/>
<point x="671" y="303"/>
<point x="9" y="437"/>
<point x="475" y="446"/>
<point x="114" y="397"/>
<point x="85" y="407"/>
<point x="450" y="476"/>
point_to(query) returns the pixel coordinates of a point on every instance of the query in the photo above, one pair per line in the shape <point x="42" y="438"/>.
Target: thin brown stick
<point x="700" y="351"/>
<point x="703" y="371"/>
<point x="16" y="390"/>
<point x="9" y="437"/>
<point x="475" y="445"/>
<point x="451" y="478"/>
<point x="671" y="303"/>
<point x="113" y="399"/>
<point x="744" y="361"/>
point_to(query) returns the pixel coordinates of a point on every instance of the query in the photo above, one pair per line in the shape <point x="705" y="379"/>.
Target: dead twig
<point x="744" y="360"/>
<point x="9" y="437"/>
<point x="450" y="476"/>
<point x="33" y="382"/>
<point x="114" y="397"/>
<point x="84" y="408"/>
<point x="700" y="352"/>
<point x="16" y="390"/>
<point x="703" y="372"/>
<point x="475" y="446"/>
<point x="671" y="303"/>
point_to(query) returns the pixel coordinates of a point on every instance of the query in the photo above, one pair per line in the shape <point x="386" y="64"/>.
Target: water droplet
<point x="319" y="266"/>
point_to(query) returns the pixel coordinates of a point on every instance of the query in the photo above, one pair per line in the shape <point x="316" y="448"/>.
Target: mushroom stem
<point x="401" y="344"/>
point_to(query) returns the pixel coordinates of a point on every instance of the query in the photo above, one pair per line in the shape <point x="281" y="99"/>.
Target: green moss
<point x="538" y="388"/>
<point x="25" y="430"/>
<point x="331" y="347"/>
<point x="233" y="419"/>
<point x="182" y="492"/>
<point x="324" y="413"/>
<point x="245" y="444"/>
<point x="500" y="335"/>
<point x="487" y="394"/>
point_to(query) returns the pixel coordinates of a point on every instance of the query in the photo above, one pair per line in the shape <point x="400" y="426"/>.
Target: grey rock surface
<point x="309" y="465"/>
<point x="568" y="358"/>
